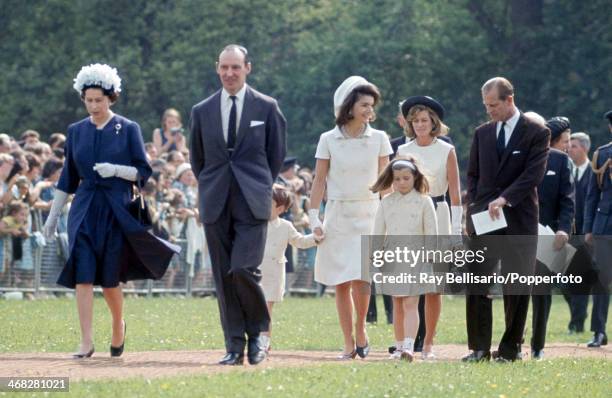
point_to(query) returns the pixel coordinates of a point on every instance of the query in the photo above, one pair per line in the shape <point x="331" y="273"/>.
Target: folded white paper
<point x="556" y="261"/>
<point x="483" y="222"/>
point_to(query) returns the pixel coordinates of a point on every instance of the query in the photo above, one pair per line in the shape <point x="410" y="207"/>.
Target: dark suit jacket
<point x="255" y="161"/>
<point x="598" y="206"/>
<point x="581" y="190"/>
<point x="515" y="176"/>
<point x="556" y="193"/>
<point x="395" y="143"/>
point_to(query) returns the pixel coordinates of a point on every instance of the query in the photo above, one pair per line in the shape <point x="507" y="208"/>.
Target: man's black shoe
<point x="477" y="356"/>
<point x="598" y="340"/>
<point x="499" y="359"/>
<point x="232" y="359"/>
<point x="255" y="353"/>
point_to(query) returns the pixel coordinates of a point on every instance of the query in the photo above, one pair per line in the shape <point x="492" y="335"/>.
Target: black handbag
<point x="138" y="208"/>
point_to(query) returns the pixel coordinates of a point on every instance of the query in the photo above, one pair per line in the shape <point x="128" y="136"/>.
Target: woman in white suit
<point x="349" y="159"/>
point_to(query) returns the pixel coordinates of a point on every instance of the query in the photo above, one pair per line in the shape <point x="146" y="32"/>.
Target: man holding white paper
<point x="507" y="162"/>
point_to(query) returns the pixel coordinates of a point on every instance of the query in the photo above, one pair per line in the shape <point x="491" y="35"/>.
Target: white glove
<point x="129" y="173"/>
<point x="50" y="226"/>
<point x="107" y="170"/>
<point x="313" y="219"/>
<point x="456" y="218"/>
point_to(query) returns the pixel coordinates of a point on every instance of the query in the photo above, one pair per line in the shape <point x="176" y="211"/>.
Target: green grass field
<point x="193" y="324"/>
<point x="558" y="378"/>
<point x="299" y="324"/>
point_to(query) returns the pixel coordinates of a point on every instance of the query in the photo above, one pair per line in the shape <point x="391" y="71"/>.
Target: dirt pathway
<point x="153" y="364"/>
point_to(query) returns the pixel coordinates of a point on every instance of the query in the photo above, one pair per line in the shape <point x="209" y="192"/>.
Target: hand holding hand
<point x="315" y="222"/>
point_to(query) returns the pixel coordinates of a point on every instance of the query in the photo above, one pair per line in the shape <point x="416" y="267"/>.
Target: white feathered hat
<point x="98" y="75"/>
<point x="345" y="89"/>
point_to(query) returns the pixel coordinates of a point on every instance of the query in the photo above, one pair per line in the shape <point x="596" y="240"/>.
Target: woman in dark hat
<point x="104" y="157"/>
<point x="424" y="116"/>
<point x="559" y="133"/>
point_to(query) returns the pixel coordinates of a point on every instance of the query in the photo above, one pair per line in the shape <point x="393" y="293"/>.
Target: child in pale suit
<point x="408" y="211"/>
<point x="280" y="233"/>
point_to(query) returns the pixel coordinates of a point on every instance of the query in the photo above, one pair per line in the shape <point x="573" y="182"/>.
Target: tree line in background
<point x="558" y="54"/>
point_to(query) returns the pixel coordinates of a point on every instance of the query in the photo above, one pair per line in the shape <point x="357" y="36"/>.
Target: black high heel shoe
<point x="85" y="355"/>
<point x="117" y="351"/>
<point x="363" y="351"/>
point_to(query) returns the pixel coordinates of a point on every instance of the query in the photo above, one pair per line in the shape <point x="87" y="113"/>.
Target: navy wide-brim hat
<point x="422" y="100"/>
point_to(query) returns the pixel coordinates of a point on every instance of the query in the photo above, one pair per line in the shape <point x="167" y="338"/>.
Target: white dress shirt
<point x="510" y="125"/>
<point x="226" y="106"/>
<point x="581" y="169"/>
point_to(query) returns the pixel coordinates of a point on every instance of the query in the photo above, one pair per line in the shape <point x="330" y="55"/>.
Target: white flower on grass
<point x="98" y="75"/>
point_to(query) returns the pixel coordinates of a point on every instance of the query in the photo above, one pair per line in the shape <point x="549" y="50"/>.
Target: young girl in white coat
<point x="280" y="233"/>
<point x="407" y="212"/>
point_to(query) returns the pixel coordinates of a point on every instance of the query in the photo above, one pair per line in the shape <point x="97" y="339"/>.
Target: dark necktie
<point x="231" y="127"/>
<point x="575" y="174"/>
<point x="501" y="141"/>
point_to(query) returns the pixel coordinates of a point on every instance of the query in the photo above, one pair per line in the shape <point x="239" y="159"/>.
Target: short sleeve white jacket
<point x="353" y="165"/>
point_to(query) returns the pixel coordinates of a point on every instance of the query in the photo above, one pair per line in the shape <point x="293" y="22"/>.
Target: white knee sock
<point x="408" y="344"/>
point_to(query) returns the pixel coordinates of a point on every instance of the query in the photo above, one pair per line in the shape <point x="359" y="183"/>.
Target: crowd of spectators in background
<point x="31" y="166"/>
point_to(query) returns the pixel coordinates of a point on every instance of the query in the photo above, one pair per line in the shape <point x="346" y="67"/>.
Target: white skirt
<point x="339" y="255"/>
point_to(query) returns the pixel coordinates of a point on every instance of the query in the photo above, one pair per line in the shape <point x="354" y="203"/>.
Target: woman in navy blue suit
<point x="104" y="157"/>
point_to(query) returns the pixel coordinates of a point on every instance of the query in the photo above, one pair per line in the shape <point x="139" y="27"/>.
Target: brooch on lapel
<point x="117" y="128"/>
